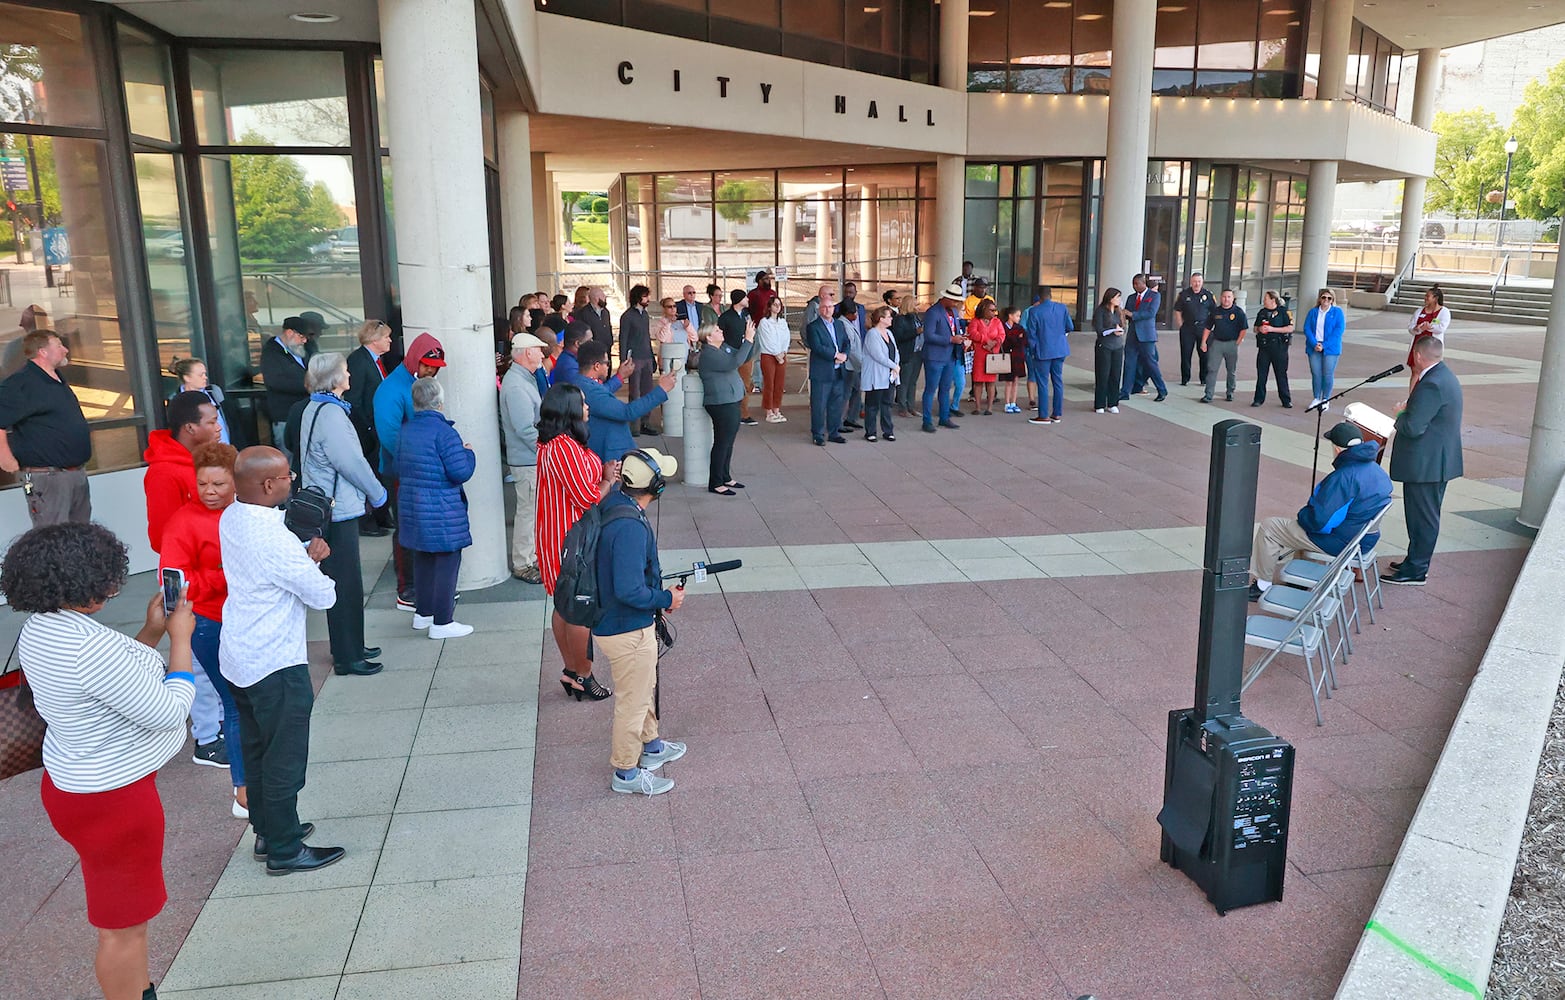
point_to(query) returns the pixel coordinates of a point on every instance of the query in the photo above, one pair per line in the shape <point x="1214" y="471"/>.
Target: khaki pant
<point x="633" y="663"/>
<point x="55" y="496"/>
<point x="1277" y="540"/>
<point x="524" y="530"/>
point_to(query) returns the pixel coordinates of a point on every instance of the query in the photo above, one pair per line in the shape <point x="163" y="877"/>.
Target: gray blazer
<point x="879" y="357"/>
<point x="1428" y="443"/>
<point x="332" y="458"/>
<point x="719" y="369"/>
<point x="519" y="411"/>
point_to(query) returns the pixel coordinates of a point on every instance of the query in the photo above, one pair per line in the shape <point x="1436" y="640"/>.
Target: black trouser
<point x="274" y="736"/>
<point x="877" y="412"/>
<point x="1108" y="369"/>
<point x="345" y="619"/>
<point x="1272" y="353"/>
<point x="434" y="584"/>
<point x="855" y="401"/>
<point x="640" y="382"/>
<point x="725" y="427"/>
<point x="906" y="391"/>
<point x="1190" y="340"/>
<point x="1421" y="509"/>
<point x="826" y="398"/>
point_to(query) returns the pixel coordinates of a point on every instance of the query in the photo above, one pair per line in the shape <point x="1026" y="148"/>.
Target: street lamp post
<point x="1505" y="193"/>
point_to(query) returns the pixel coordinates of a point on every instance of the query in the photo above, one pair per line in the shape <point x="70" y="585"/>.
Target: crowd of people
<point x="366" y="433"/>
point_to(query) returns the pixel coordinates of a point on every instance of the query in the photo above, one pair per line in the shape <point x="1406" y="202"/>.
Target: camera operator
<point x="630" y="585"/>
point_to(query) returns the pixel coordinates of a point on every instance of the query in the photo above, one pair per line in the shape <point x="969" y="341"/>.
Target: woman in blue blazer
<point x="432" y="464"/>
<point x="1323" y="329"/>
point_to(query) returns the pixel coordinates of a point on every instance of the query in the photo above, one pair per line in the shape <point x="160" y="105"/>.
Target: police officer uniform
<point x="1193" y="308"/>
<point x="1272" y="353"/>
<point x="1225" y="328"/>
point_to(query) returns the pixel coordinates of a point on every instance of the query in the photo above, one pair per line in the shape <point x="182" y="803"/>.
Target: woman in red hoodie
<point x="190" y="544"/>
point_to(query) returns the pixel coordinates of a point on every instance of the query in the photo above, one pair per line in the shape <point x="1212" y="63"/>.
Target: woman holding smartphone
<point x="1108" y="356"/>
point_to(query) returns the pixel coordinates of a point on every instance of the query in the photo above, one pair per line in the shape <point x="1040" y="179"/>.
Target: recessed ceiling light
<point x="314" y="17"/>
<point x="980" y="13"/>
<point x="872" y="10"/>
<point x="1089" y="17"/>
<point x="1058" y="4"/>
<point x="1271" y="12"/>
<point x="1172" y="8"/>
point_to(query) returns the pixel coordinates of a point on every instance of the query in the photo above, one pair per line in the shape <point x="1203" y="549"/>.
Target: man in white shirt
<point x="272" y="579"/>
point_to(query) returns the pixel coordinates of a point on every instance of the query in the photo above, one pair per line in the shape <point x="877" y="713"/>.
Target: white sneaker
<point x="1099" y="410"/>
<point x="1314" y="402"/>
<point x="239" y="811"/>
<point x="644" y="783"/>
<point x="781" y="419"/>
<point x="451" y="630"/>
<point x="1113" y="409"/>
<point x="1326" y="408"/>
<point x="422" y="622"/>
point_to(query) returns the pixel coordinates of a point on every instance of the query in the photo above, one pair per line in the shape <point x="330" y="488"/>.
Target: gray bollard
<point x="674" y="413"/>
<point x="698" y="432"/>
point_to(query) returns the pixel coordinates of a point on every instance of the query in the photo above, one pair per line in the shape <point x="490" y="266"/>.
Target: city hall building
<point x="179" y="176"/>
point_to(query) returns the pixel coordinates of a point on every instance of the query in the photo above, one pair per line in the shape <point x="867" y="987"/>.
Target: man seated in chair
<point x="1341" y="505"/>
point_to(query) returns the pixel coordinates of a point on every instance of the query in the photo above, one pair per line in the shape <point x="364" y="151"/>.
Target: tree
<point x="738" y="200"/>
<point x="278" y="212"/>
<point x="19" y="72"/>
<point x="1469" y="161"/>
<point x="568" y="211"/>
<point x="1538" y="173"/>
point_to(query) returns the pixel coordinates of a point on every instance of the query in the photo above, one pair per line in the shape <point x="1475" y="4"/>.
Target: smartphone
<point x="173" y="589"/>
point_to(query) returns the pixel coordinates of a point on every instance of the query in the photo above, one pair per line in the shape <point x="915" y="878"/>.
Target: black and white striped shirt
<point x="114" y="717"/>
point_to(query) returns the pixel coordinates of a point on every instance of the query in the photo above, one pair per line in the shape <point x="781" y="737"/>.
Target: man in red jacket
<point x="170" y="483"/>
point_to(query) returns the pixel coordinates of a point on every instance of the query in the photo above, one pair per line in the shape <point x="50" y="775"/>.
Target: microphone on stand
<point x="1387" y="373"/>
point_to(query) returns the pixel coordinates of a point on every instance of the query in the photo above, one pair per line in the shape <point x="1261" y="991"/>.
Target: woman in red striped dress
<point x="570" y="479"/>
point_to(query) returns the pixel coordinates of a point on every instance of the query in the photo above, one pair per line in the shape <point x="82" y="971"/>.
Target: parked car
<point x="345" y="244"/>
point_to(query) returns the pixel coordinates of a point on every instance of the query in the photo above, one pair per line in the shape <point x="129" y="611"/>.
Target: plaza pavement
<point x="926" y="725"/>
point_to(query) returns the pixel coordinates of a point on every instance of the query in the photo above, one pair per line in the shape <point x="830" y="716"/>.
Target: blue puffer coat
<point x="432" y="465"/>
<point x="1347" y="499"/>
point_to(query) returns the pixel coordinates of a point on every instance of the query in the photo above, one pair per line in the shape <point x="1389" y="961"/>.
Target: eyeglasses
<point x="269" y="480"/>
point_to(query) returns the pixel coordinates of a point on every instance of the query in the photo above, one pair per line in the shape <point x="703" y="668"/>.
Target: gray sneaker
<point x="671" y="751"/>
<point x="644" y="783"/>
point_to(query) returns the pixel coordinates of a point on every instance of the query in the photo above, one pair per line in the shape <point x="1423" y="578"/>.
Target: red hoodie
<point x="170" y="482"/>
<point x="190" y="543"/>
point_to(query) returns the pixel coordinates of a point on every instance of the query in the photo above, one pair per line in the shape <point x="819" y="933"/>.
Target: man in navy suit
<point x="1140" y="314"/>
<point x="1426" y="454"/>
<point x="827" y="339"/>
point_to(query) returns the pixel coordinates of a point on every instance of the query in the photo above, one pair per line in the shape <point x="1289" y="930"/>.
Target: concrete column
<point x="825" y="261"/>
<point x="869" y="229"/>
<point x="442" y="240"/>
<point x="698" y="432"/>
<point x="950" y="205"/>
<point x="953" y="44"/>
<point x="1546" y="451"/>
<point x="516" y="204"/>
<point x="1130" y="125"/>
<point x="788" y="254"/>
<point x="1336" y="29"/>
<point x="546" y="251"/>
<point x="1315" y="250"/>
<point x="1425" y="84"/>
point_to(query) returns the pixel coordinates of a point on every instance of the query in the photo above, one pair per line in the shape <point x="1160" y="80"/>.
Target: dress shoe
<point x="891" y="437"/>
<point x="1204" y="399"/>
<point x="1393" y="567"/>
<point x="1230" y="397"/>
<point x="852" y="426"/>
<point x="369" y="653"/>
<point x="1287" y="406"/>
<point x="373" y="531"/>
<point x="1404" y="577"/>
<point x="837" y="439"/>
<point x="949" y="424"/>
<point x="647" y="429"/>
<point x="360" y="668"/>
<point x="307" y="860"/>
<point x="928" y="428"/>
<point x="955" y="412"/>
<point x="260" y="841"/>
<point x="1256" y="403"/>
<point x="1160" y="397"/>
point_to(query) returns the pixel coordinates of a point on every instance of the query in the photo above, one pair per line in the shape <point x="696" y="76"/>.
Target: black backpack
<point x="576" y="596"/>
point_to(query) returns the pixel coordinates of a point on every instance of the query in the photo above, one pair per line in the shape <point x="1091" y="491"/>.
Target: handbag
<point x="21" y="727"/>
<point x="309" y="510"/>
<point x="997" y="364"/>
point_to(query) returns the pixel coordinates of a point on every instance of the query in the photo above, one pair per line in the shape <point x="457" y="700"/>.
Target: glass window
<point x="813" y="18"/>
<point x="1226" y="34"/>
<point x="486" y="112"/>
<point x="986" y="44"/>
<point x="149" y="84"/>
<point x="762" y="12"/>
<point x="746" y="217"/>
<point x="46" y="71"/>
<point x="382" y="120"/>
<point x="164" y="234"/>
<point x="65" y="266"/>
<point x="1093" y="38"/>
<point x="250" y="97"/>
<point x="1175" y="36"/>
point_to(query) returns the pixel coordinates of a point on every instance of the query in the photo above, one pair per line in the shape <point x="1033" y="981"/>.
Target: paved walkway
<point x="926" y="722"/>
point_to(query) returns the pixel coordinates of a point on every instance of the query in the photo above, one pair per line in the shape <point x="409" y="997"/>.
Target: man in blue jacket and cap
<point x="609" y="418"/>
<point x="1349" y="498"/>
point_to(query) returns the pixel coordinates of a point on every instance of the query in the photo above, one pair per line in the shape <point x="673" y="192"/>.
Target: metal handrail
<point x="341" y="315"/>
<point x="1402" y="275"/>
<point x="1499" y="279"/>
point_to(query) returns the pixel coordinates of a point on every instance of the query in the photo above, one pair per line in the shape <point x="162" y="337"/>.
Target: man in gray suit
<point x="1425" y="455"/>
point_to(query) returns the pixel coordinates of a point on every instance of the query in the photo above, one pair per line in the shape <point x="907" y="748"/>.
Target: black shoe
<point x="1204" y="399"/>
<point x="1403" y="578"/>
<point x="369" y="653"/>
<point x="871" y="437"/>
<point x="837" y="439"/>
<point x="213" y="754"/>
<point x="1184" y="382"/>
<point x="747" y="422"/>
<point x="955" y="412"/>
<point x="373" y="531"/>
<point x="1255" y="592"/>
<point x="648" y="430"/>
<point x="849" y="424"/>
<point x="891" y="437"/>
<point x="307" y="860"/>
<point x="150" y="993"/>
<point x="1230" y="397"/>
<point x="1160" y="397"/>
<point x="360" y="668"/>
<point x="949" y="424"/>
<point x="260" y="841"/>
<point x="821" y="442"/>
<point x="928" y="428"/>
<point x="1393" y="567"/>
<point x="1287" y="405"/>
<point x="1257" y="402"/>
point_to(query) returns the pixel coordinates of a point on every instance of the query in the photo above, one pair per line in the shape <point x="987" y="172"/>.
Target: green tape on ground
<point x="1424" y="960"/>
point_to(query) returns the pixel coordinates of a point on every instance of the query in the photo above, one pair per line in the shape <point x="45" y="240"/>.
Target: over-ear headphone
<point x="658" y="483"/>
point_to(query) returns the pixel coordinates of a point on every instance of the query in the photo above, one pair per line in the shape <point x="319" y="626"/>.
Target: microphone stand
<point x="1320" y="412"/>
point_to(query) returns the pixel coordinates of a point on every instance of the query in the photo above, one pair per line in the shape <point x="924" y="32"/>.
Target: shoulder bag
<point x="309" y="512"/>
<point x="21" y="727"/>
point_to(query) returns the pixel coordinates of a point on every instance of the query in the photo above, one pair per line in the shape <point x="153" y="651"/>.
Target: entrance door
<point x="1160" y="252"/>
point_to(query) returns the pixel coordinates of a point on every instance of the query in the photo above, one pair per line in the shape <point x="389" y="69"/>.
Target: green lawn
<point x="592" y="237"/>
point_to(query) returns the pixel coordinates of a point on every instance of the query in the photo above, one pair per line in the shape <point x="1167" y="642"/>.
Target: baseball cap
<point x="1345" y="435"/>
<point x="527" y="340"/>
<point x="435" y="357"/>
<point x="637" y="474"/>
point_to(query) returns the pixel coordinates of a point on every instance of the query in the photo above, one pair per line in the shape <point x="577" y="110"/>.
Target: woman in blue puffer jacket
<point x="432" y="464"/>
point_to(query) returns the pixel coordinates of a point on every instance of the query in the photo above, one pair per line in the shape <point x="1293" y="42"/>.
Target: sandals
<point x="576" y="686"/>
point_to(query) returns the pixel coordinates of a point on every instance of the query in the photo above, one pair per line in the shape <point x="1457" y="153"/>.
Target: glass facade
<point x="868" y="223"/>
<point x="1023" y="227"/>
<point x="890" y="37"/>
<point x="1374" y="69"/>
<point x="1213" y="48"/>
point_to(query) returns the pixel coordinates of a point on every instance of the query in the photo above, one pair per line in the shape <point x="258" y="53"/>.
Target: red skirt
<point x="119" y="837"/>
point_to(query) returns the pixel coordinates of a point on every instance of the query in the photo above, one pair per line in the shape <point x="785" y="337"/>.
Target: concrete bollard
<point x="698" y="432"/>
<point x="674" y="413"/>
